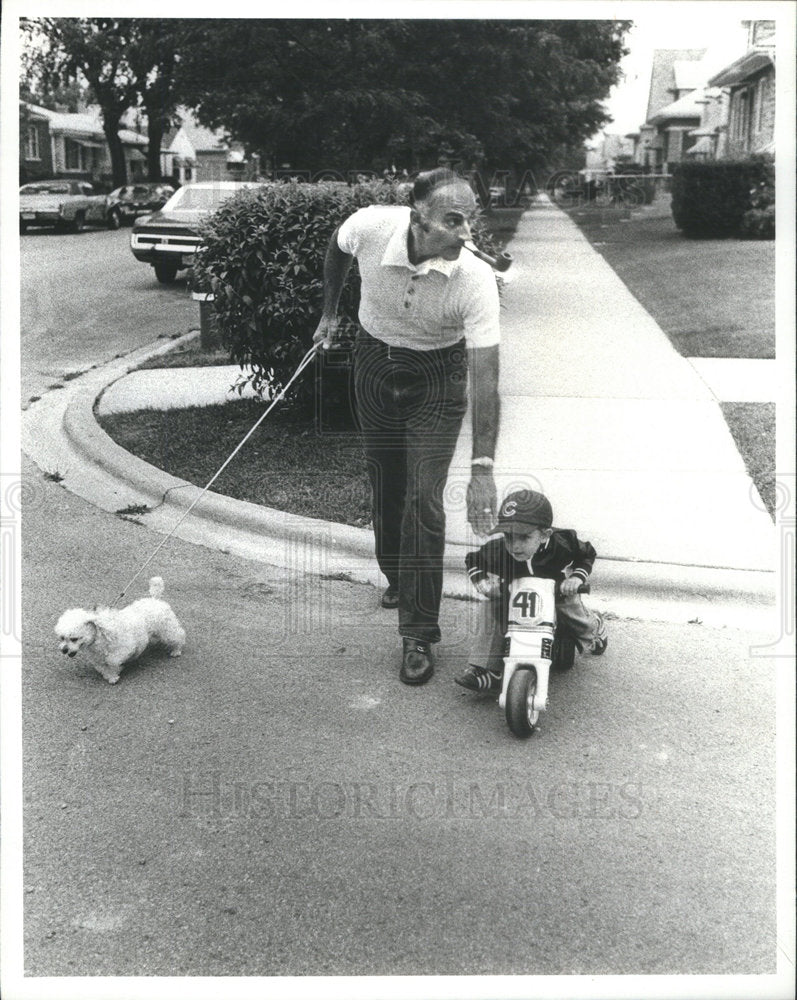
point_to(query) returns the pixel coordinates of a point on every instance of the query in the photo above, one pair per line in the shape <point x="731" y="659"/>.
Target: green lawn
<point x="713" y="298"/>
<point x="753" y="428"/>
<point x="285" y="464"/>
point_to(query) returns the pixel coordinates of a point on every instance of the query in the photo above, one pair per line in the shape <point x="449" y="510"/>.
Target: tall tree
<point x="93" y="48"/>
<point x="153" y="55"/>
<point x="128" y="62"/>
<point x="345" y="94"/>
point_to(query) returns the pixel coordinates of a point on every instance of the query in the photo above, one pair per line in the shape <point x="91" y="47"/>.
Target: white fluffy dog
<point x="117" y="636"/>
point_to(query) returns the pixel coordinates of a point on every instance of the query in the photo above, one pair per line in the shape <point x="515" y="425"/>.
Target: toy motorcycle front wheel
<point x="520" y="714"/>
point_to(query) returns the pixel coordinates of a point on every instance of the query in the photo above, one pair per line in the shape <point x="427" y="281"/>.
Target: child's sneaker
<point x="601" y="640"/>
<point x="479" y="679"/>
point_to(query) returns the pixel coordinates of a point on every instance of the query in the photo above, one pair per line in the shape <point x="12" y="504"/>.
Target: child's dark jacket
<point x="563" y="550"/>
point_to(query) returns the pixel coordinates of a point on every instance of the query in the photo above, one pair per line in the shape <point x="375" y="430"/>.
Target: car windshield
<point x="45" y="189"/>
<point x="198" y="199"/>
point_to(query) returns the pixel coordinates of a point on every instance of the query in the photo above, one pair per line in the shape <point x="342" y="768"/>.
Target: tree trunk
<point x="155" y="132"/>
<point x="118" y="165"/>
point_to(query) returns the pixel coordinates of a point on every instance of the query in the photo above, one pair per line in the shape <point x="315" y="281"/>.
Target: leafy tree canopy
<point x="345" y="95"/>
<point x="127" y="62"/>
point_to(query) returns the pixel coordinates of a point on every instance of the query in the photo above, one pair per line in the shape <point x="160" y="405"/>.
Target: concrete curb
<point x="721" y="597"/>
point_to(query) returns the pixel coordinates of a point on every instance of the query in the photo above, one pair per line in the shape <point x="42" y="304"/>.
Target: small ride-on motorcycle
<point x="533" y="645"/>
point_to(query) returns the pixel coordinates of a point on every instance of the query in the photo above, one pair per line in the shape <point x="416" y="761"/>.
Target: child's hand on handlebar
<point x="570" y="586"/>
<point x="489" y="585"/>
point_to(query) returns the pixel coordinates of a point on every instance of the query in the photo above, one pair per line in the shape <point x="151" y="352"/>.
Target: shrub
<point x="263" y="258"/>
<point x="758" y="222"/>
<point x="710" y="199"/>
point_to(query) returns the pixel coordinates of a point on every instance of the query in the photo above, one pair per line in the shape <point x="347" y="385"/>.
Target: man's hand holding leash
<point x="326" y="332"/>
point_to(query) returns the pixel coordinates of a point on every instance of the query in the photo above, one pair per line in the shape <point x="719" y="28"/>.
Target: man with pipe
<point x="428" y="327"/>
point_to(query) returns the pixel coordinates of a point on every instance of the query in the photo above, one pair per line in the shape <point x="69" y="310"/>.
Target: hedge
<point x="263" y="258"/>
<point x="713" y="199"/>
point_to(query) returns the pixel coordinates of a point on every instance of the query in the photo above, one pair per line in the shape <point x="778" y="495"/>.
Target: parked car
<point x="62" y="204"/>
<point x="168" y="239"/>
<point x="125" y="203"/>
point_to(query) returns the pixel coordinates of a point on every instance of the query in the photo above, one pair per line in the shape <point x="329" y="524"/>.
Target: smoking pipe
<point x="501" y="263"/>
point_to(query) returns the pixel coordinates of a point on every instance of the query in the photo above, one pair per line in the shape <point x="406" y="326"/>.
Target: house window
<point x="740" y="121"/>
<point x="75" y="156"/>
<point x="32" y="143"/>
<point x="762" y="97"/>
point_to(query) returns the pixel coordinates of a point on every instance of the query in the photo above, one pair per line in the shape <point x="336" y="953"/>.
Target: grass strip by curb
<point x="287" y="464"/>
<point x="753" y="428"/>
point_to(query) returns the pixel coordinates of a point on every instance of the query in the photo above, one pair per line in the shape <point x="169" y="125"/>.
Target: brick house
<point x="748" y="85"/>
<point x="35" y="151"/>
<point x="714" y="115"/>
<point x="672" y="112"/>
<point x="674" y="124"/>
<point x="73" y="145"/>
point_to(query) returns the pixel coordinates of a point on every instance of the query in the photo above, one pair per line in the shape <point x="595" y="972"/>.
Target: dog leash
<point x="301" y="367"/>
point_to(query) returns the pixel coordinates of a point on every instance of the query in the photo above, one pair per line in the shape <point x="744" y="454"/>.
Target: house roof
<point x="202" y="139"/>
<point x="662" y="75"/>
<point x="84" y="125"/>
<point x="685" y="107"/>
<point x="741" y="70"/>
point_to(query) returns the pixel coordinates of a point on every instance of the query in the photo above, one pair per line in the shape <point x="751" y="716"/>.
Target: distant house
<point x="65" y="144"/>
<point x="695" y="112"/>
<point x="607" y="151"/>
<point x="708" y="139"/>
<point x="672" y="112"/>
<point x="749" y="86"/>
<point x="192" y="152"/>
<point x="673" y="126"/>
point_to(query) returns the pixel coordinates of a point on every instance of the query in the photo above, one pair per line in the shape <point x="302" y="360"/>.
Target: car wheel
<point x="80" y="223"/>
<point x="165" y="273"/>
<point x="22" y="226"/>
<point x="114" y="219"/>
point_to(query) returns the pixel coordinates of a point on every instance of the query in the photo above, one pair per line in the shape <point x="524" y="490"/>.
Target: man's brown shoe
<point x="417" y="665"/>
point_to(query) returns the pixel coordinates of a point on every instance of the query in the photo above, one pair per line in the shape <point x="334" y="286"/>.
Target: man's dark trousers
<point x="410" y="406"/>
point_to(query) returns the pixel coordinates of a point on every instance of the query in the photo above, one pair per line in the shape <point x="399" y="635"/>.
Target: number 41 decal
<point x="526" y="600"/>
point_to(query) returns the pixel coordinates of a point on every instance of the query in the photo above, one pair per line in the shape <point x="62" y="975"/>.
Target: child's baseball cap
<point x="524" y="508"/>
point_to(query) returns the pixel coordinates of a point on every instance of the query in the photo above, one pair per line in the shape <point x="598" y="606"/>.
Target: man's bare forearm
<point x="336" y="268"/>
<point x="485" y="403"/>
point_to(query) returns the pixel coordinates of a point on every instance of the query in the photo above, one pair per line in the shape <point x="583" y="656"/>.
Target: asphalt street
<point x="277" y="803"/>
<point x="84" y="299"/>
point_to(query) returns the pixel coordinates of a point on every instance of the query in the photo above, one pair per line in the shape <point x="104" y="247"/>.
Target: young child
<point x="529" y="546"/>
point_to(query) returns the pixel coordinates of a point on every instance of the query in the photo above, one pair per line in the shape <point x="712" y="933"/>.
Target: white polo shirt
<point x="424" y="307"/>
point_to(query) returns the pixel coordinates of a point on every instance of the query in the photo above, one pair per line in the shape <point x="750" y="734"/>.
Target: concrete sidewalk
<point x="598" y="411"/>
